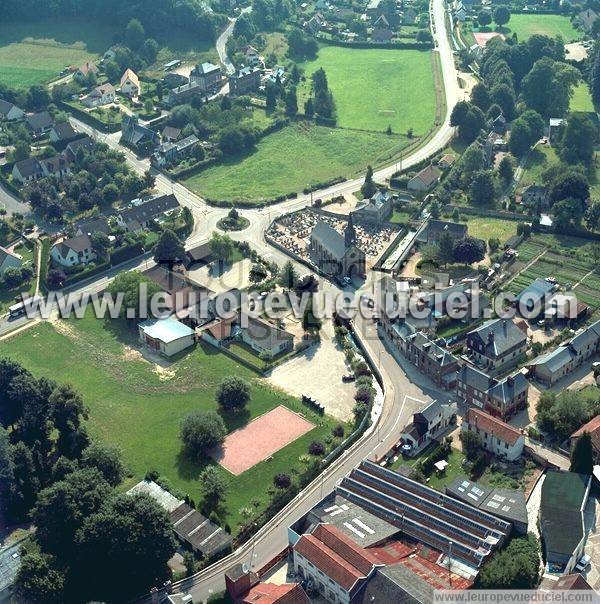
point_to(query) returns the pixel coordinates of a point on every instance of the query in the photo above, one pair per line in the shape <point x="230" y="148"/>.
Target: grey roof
<point x="586" y="338"/>
<point x="205" y="68"/>
<point x="537" y="290"/>
<point x="171" y="132"/>
<point x="150" y="209"/>
<point x="5" y="107"/>
<point x="509" y="388"/>
<point x="29" y="167"/>
<point x="134" y="132"/>
<point x="94" y="225"/>
<point x="554" y="360"/>
<point x="438" y="354"/>
<point x="77" y="244"/>
<point x="395" y="583"/>
<point x="40" y="120"/>
<point x="55" y="164"/>
<point x="4" y="254"/>
<point x="329" y="238"/>
<point x="85" y="143"/>
<point x="506" y="335"/>
<point x="456" y="229"/>
<point x="473" y="377"/>
<point x="64" y="131"/>
<point x="265" y="334"/>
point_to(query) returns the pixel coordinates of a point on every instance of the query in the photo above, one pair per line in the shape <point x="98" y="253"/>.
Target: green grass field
<point x="377" y="88"/>
<point x="137" y="406"/>
<point x="32" y="53"/>
<point x="539" y="160"/>
<point x="526" y="26"/>
<point x="485" y="227"/>
<point x="292" y="158"/>
<point x="581" y="99"/>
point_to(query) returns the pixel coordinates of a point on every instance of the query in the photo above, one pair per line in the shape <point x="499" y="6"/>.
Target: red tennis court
<point x="261" y="438"/>
<point x="482" y="38"/>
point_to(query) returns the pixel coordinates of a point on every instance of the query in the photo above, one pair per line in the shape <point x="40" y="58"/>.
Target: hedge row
<point x="394" y="45"/>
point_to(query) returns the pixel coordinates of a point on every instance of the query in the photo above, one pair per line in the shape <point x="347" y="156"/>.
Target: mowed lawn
<point x="33" y="53"/>
<point x="139" y="407"/>
<point x="290" y="159"/>
<point x="526" y="26"/>
<point x="581" y="99"/>
<point x="377" y="88"/>
<point x="486" y="228"/>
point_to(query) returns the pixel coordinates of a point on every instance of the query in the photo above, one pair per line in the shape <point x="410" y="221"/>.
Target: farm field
<point x="292" y="158"/>
<point x="32" y="53"/>
<point x="581" y="99"/>
<point x="526" y="26"/>
<point x="377" y="88"/>
<point x="138" y="405"/>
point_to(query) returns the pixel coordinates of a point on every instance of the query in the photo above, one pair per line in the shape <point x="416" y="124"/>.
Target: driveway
<point x="11" y="203"/>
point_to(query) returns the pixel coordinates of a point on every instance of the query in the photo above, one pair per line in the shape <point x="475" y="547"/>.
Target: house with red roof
<point x="332" y="563"/>
<point x="497" y="437"/>
<point x="245" y="587"/>
<point x="593" y="428"/>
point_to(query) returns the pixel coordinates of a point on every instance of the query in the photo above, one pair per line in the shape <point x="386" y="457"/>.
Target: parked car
<point x="583" y="563"/>
<point x="348" y="377"/>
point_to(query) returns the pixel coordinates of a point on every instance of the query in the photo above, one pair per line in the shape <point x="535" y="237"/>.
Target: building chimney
<point x="490" y="336"/>
<point x="510" y="380"/>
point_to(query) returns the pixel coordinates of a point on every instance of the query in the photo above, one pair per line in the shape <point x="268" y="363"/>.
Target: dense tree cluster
<point x="560" y="416"/>
<point x="322" y="98"/>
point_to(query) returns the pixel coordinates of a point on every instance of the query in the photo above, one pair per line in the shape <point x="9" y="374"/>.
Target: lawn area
<point x="581" y="99"/>
<point x="377" y="88"/>
<point x="292" y="158"/>
<point x="526" y="26"/>
<point x="32" y="53"/>
<point x="401" y="216"/>
<point x="485" y="227"/>
<point x="539" y="160"/>
<point x="437" y="481"/>
<point x="139" y="406"/>
<point x="276" y="45"/>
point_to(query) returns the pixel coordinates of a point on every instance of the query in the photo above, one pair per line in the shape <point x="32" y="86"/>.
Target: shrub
<point x="338" y="431"/>
<point x="201" y="431"/>
<point x="282" y="481"/>
<point x="316" y="447"/>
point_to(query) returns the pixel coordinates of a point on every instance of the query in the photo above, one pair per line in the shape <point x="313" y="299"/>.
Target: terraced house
<point x="434" y="361"/>
<point x="497" y="345"/>
<point x="497" y="437"/>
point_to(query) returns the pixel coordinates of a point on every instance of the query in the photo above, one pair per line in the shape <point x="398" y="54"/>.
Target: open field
<point x="139" y="405"/>
<point x="292" y="158"/>
<point x="32" y="53"/>
<point x="485" y="227"/>
<point x="526" y="26"/>
<point x="539" y="160"/>
<point x="377" y="88"/>
<point x="581" y="99"/>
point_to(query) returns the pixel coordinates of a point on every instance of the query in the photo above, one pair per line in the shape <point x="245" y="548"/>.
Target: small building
<point x="335" y="254"/>
<point x="381" y="33"/>
<point x="170" y="134"/>
<point x="497" y="344"/>
<point x="27" y="170"/>
<point x="140" y="215"/>
<point x="427" y="425"/>
<point x="508" y="504"/>
<point x="93" y="225"/>
<point x="374" y="9"/>
<point x="39" y="123"/>
<point x="207" y="76"/>
<point x="460" y="14"/>
<point x="592" y="428"/>
<point x="8" y="260"/>
<point x="85" y="144"/>
<point x="62" y="132"/>
<point x="424" y="179"/>
<point x="436" y="228"/>
<point x="130" y="84"/>
<point x="447" y="161"/>
<point x="535" y="295"/>
<point x="376" y="210"/>
<point x="245" y="587"/>
<point x="263" y="337"/>
<point x="499" y="124"/>
<point x="101" y="95"/>
<point x="244" y="81"/>
<point x="497" y="437"/>
<point x="85" y="70"/>
<point x="437" y="363"/>
<point x="10" y="112"/>
<point x="139" y="137"/>
<point x="174" y="80"/>
<point x="73" y="252"/>
<point x="166" y="336"/>
<point x="564" y="497"/>
<point x="572" y="582"/>
<point x="184" y="94"/>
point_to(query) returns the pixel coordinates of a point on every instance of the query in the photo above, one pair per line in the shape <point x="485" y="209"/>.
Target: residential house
<point x="263" y="337"/>
<point x="244" y="81"/>
<point x="166" y="336"/>
<point x="337" y="568"/>
<point x="424" y="179"/>
<point x="85" y="144"/>
<point x="336" y="254"/>
<point x="427" y="425"/>
<point x="174" y="80"/>
<point x="101" y="95"/>
<point x="499" y="124"/>
<point x="552" y="366"/>
<point x="61" y="133"/>
<point x="561" y="519"/>
<point x="207" y="76"/>
<point x="315" y="23"/>
<point x="436" y="228"/>
<point x="409" y="16"/>
<point x="87" y="68"/>
<point x="447" y="161"/>
<point x="381" y="30"/>
<point x="497" y="437"/>
<point x="592" y="428"/>
<point x="184" y="94"/>
<point x="141" y="214"/>
<point x="496" y="345"/>
<point x="8" y="260"/>
<point x="10" y="112"/>
<point x="130" y="84"/>
<point x="172" y="153"/>
<point x="500" y="398"/>
<point x="376" y="210"/>
<point x="73" y="252"/>
<point x="587" y="19"/>
<point x="494" y="142"/>
<point x="277" y="75"/>
<point x="27" y="170"/>
<point x="170" y="134"/>
<point x="139" y="137"/>
<point x="374" y="9"/>
<point x="39" y="123"/>
<point x="58" y="166"/>
<point x="110" y="54"/>
<point x="460" y="13"/>
<point x="252" y="56"/>
<point x="535" y="196"/>
<point x="435" y="362"/>
<point x="93" y="225"/>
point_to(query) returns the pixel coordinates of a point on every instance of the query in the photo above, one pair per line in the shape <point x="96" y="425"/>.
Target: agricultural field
<point x="526" y="26"/>
<point x="377" y="88"/>
<point x="33" y="53"/>
<point x="292" y="158"/>
<point x="138" y="405"/>
<point x="581" y="99"/>
<point x="570" y="260"/>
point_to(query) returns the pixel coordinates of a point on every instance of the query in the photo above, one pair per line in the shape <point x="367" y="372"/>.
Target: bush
<point x="338" y="431"/>
<point x="282" y="481"/>
<point x="316" y="447"/>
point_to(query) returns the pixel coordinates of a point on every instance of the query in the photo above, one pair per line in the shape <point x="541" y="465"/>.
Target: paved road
<point x="11" y="203"/>
<point x="221" y="43"/>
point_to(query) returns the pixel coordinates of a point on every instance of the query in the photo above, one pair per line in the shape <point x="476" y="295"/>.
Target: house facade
<point x="73" y="252"/>
<point x="435" y="362"/>
<point x="140" y="215"/>
<point x="592" y="428"/>
<point x="39" y="123"/>
<point x="376" y="210"/>
<point x="135" y="135"/>
<point x="27" y="170"/>
<point x="207" y="76"/>
<point x="497" y="345"/>
<point x="166" y="336"/>
<point x="101" y="95"/>
<point x="424" y="180"/>
<point x="497" y="437"/>
<point x="130" y="83"/>
<point x="173" y="152"/>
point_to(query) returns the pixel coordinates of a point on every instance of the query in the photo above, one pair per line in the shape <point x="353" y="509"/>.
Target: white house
<point x="101" y="95"/>
<point x="264" y="337"/>
<point x="10" y="112"/>
<point x="166" y="336"/>
<point x="72" y="252"/>
<point x="252" y="56"/>
<point x="8" y="260"/>
<point x="498" y="437"/>
<point x="130" y="83"/>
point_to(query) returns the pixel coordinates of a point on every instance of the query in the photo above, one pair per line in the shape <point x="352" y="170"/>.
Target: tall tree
<point x="233" y="393"/>
<point x="578" y="138"/>
<point x="291" y="101"/>
<point x="221" y="247"/>
<point x="288" y="277"/>
<point x="482" y="191"/>
<point x="134" y="34"/>
<point x="39" y="580"/>
<point x="595" y="79"/>
<point x="469" y="250"/>
<point x="369" y="187"/>
<point x="169" y="249"/>
<point x="201" y="431"/>
<point x="582" y="455"/>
